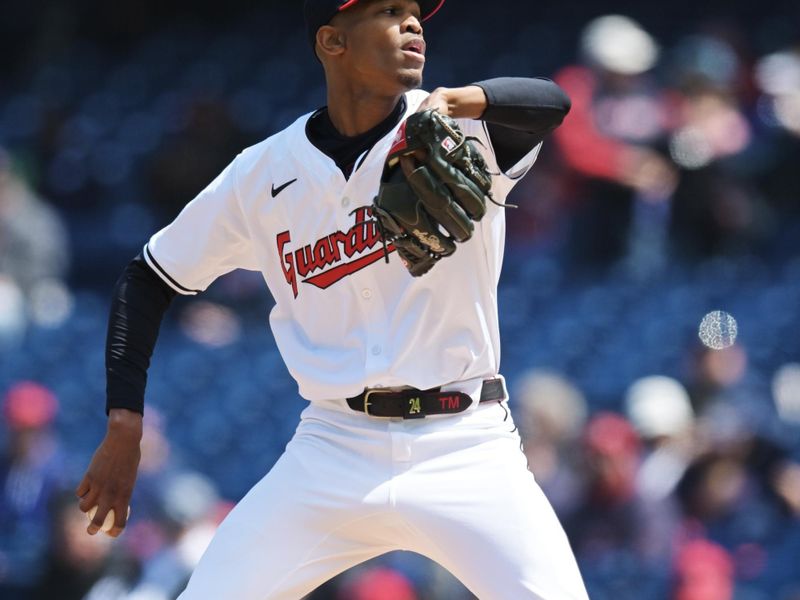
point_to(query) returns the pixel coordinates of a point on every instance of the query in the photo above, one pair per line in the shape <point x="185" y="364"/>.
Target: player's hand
<point x="108" y="482"/>
<point x="459" y="103"/>
<point x="436" y="101"/>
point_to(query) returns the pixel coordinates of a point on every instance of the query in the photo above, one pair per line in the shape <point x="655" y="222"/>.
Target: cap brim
<point x="428" y="7"/>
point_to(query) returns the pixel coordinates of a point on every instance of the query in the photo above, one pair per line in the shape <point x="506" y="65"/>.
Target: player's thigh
<point x="277" y="576"/>
<point x="294" y="530"/>
<point x="487" y="521"/>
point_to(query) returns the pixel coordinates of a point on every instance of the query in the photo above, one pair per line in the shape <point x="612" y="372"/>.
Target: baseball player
<point x="407" y="442"/>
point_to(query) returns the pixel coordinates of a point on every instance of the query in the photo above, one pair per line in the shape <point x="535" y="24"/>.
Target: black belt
<point x="416" y="404"/>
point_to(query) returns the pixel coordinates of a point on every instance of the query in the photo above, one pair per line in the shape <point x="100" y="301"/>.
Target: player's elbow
<point x="554" y="102"/>
<point x="559" y="100"/>
<point x="564" y="102"/>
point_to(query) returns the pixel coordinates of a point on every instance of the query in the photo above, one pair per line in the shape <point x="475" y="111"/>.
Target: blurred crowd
<point x="680" y="495"/>
<point x="45" y="552"/>
<point x="670" y="154"/>
<point x="681" y="151"/>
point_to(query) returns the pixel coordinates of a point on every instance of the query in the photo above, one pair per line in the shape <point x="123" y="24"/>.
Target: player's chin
<point x="410" y="79"/>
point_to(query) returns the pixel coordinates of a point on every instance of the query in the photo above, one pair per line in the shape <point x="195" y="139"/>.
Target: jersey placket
<point x="378" y="351"/>
<point x="374" y="310"/>
<point x="364" y="286"/>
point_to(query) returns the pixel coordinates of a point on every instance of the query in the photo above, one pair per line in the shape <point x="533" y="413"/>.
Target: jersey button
<point x="366" y="293"/>
<point x="345" y="202"/>
<point x="376" y="350"/>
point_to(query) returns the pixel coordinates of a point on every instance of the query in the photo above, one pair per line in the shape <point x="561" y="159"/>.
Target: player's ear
<point x="330" y="40"/>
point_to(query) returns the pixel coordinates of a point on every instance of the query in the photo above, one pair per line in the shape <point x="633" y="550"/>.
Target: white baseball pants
<point x="454" y="488"/>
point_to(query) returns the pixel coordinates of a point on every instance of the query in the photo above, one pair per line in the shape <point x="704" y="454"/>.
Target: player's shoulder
<point x="277" y="146"/>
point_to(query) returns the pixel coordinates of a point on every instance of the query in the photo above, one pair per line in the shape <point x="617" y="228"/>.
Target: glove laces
<point x="378" y="224"/>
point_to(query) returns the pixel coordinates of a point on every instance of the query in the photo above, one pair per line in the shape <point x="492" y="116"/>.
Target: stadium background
<point x="114" y="115"/>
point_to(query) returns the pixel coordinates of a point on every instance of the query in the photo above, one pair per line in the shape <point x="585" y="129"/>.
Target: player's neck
<point x="354" y="112"/>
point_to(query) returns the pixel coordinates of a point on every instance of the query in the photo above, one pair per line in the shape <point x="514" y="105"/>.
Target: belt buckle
<point x="367" y="394"/>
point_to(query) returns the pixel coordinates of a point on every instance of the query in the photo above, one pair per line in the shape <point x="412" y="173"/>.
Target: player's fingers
<point x="120" y="521"/>
<point x="435" y="101"/>
<point x="104" y="519"/>
<point x="83" y="487"/>
<point x="88" y="500"/>
<point x="96" y="524"/>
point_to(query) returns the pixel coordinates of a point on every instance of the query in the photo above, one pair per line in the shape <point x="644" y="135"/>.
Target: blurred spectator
<point x="786" y="483"/>
<point x="786" y="393"/>
<point x="660" y="410"/>
<point x="778" y="78"/>
<point x="210" y="324"/>
<point x="551" y="413"/>
<point x="31" y="472"/>
<point x="619" y="119"/>
<point x="718" y="376"/>
<point x="704" y="571"/>
<point x="613" y="515"/>
<point x="81" y="567"/>
<point x="394" y="575"/>
<point x="33" y="240"/>
<point x="34" y="257"/>
<point x="716" y="209"/>
<point x="740" y="490"/>
<point x="190" y="506"/>
<point x="149" y="531"/>
<point x="377" y="584"/>
<point x="13" y="317"/>
<point x="714" y="487"/>
<point x="786" y="396"/>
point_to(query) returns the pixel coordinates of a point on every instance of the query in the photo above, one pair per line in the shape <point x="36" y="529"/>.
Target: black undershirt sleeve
<point x="521" y="112"/>
<point x="139" y="302"/>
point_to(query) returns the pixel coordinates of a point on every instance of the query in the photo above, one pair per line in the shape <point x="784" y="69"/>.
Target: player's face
<point x="385" y="45"/>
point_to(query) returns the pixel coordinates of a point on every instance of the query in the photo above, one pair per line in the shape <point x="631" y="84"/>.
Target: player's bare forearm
<point x="111" y="475"/>
<point x="468" y="102"/>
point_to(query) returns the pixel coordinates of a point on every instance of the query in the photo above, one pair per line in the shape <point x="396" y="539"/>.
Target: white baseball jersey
<point x="343" y="320"/>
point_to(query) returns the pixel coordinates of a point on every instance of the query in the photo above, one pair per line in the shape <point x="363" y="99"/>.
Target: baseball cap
<point x="659" y="406"/>
<point x="610" y="434"/>
<point x="29" y="405"/>
<point x="619" y="44"/>
<point x="320" y="12"/>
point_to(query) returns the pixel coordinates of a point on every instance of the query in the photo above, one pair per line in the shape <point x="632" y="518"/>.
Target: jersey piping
<point x="166" y="277"/>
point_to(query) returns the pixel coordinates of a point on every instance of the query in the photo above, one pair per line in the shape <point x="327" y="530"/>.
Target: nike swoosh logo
<point x="279" y="189"/>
